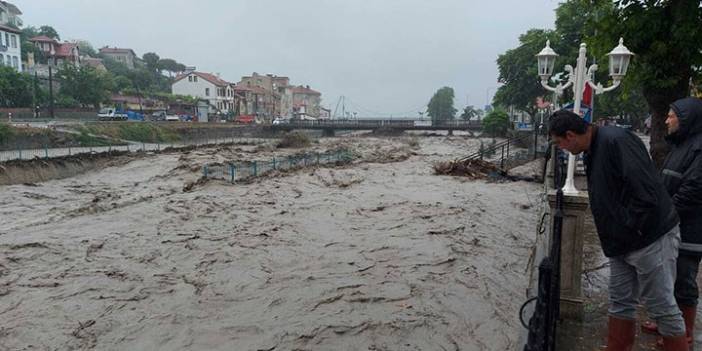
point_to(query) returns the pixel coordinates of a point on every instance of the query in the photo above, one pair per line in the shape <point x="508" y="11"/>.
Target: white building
<point x="9" y="15"/>
<point x="10" y="48"/>
<point x="218" y="92"/>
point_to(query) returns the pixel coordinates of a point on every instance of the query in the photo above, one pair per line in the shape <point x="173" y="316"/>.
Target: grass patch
<point x="85" y="139"/>
<point x="133" y="131"/>
<point x="6" y="132"/>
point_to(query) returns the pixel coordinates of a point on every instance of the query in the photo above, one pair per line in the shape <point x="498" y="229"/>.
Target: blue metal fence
<point x="241" y="170"/>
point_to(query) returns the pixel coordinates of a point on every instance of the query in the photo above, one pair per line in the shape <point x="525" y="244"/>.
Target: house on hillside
<point x="125" y="56"/>
<point x="9" y="15"/>
<point x="93" y="62"/>
<point x="218" y="92"/>
<point x="56" y="53"/>
<point x="10" y="46"/>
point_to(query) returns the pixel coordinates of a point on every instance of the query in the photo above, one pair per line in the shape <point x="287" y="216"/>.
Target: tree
<point x="121" y="83"/>
<point x="496" y="123"/>
<point x="171" y="66"/>
<point x="627" y="101"/>
<point x="86" y="48"/>
<point x="115" y="67"/>
<point x="470" y="112"/>
<point x="440" y="106"/>
<point x="85" y="85"/>
<point x="518" y="71"/>
<point x="666" y="37"/>
<point x="151" y="60"/>
<point x="49" y="31"/>
<point x="28" y="33"/>
<point x="15" y="88"/>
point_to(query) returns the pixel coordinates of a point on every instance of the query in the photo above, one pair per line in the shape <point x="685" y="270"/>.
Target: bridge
<point x="329" y="126"/>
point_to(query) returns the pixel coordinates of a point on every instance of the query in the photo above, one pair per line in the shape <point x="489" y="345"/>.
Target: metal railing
<point x="240" y="170"/>
<point x="47" y="152"/>
<point x="380" y="123"/>
<point x="505" y="148"/>
<point x="543" y="323"/>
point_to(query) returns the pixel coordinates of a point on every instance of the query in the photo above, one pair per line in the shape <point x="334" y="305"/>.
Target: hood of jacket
<point x="689" y="112"/>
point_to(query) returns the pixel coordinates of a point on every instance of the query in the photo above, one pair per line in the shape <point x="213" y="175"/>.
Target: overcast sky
<point x="385" y="56"/>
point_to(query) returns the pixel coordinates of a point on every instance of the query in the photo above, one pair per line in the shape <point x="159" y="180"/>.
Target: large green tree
<point x="666" y="36"/>
<point x="15" y="88"/>
<point x="86" y="48"/>
<point x="496" y="123"/>
<point x="470" y="112"/>
<point x="85" y="85"/>
<point x="575" y="21"/>
<point x="49" y="31"/>
<point x="171" y="66"/>
<point x="518" y="71"/>
<point x="440" y="106"/>
<point x="151" y="59"/>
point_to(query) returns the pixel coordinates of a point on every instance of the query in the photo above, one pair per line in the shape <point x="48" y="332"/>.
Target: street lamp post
<point x="487" y="95"/>
<point x="619" y="59"/>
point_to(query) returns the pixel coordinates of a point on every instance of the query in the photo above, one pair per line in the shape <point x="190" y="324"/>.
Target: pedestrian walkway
<point x="47" y="153"/>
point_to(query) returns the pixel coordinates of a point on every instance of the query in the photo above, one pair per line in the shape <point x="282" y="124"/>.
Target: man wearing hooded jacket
<point x="682" y="177"/>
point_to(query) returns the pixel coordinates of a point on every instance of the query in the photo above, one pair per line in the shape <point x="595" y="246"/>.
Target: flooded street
<point x="379" y="254"/>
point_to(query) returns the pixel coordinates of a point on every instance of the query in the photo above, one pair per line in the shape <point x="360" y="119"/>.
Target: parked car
<point x="172" y="118"/>
<point x="111" y="114"/>
<point x="158" y="116"/>
<point x="245" y="119"/>
<point x="280" y="121"/>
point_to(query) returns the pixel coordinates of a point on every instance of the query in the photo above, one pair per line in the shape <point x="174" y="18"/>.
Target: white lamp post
<point x="619" y="59"/>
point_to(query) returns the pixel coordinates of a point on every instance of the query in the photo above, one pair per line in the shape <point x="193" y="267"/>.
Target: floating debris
<point x="475" y="169"/>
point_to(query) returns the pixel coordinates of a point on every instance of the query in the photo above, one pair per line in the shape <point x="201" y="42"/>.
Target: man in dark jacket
<point x="682" y="176"/>
<point x="636" y="223"/>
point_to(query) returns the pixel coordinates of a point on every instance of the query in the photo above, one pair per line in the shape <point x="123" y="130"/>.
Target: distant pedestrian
<point x="636" y="223"/>
<point x="682" y="176"/>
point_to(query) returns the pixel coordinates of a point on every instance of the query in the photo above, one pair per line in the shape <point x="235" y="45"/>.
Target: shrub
<point x="496" y="123"/>
<point x="295" y="139"/>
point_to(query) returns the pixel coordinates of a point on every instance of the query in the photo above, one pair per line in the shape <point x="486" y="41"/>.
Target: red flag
<point x="587" y="95"/>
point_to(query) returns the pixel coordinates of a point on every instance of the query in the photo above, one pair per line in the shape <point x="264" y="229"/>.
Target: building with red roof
<point x="57" y="53"/>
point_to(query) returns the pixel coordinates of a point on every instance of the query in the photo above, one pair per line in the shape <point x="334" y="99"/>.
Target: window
<point x="207" y="91"/>
<point x="194" y="78"/>
<point x="15" y="62"/>
<point x="2" y="60"/>
<point x="7" y="39"/>
<point x="190" y="78"/>
<point x="14" y="41"/>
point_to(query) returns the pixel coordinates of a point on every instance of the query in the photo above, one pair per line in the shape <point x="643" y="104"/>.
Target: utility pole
<point x="34" y="96"/>
<point x="51" y="94"/>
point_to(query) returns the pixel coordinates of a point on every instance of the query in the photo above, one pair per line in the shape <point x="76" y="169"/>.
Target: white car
<point x="173" y="118"/>
<point x="280" y="121"/>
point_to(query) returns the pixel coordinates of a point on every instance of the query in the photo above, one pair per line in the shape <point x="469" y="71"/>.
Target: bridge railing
<point x="380" y="123"/>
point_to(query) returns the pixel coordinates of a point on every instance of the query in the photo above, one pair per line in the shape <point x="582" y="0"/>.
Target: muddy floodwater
<point x="380" y="254"/>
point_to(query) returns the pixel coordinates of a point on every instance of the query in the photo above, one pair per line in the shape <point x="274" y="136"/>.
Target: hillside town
<point x="187" y="92"/>
<point x="171" y="178"/>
